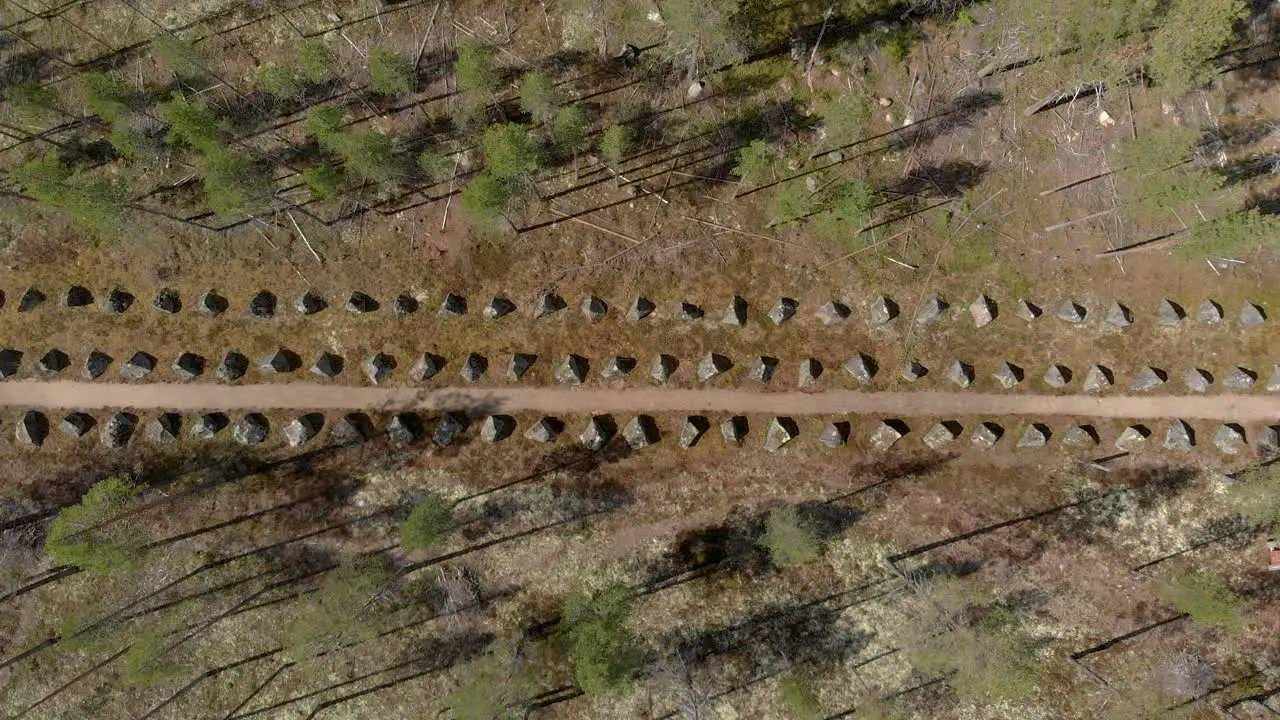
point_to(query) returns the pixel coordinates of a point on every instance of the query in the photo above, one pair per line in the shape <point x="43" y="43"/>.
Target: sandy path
<point x="557" y="400"/>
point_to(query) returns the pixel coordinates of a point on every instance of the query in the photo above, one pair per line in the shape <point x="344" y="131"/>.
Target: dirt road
<point x="557" y="400"/>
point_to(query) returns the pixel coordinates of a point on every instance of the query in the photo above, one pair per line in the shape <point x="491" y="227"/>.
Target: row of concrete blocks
<point x="573" y="369"/>
<point x="881" y="310"/>
<point x="641" y="431"/>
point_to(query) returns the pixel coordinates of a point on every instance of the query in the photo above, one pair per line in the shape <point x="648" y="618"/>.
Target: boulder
<point x="1229" y="438"/>
<point x="662" y="367"/>
<point x="54" y="362"/>
<point x="1198" y="380"/>
<point x="359" y="303"/>
<point x="1133" y="438"/>
<point x="1119" y="315"/>
<point x="213" y="304"/>
<point x="1035" y="435"/>
<point x="862" y="368"/>
<point x="379" y="367"/>
<point x="519" y="365"/>
<point x="640" y="432"/>
<point x="913" y="371"/>
<point x="404" y="429"/>
<point x="834" y="435"/>
<point x="167" y="301"/>
<point x="165" y="428"/>
<point x="30" y="300"/>
<point x="117" y="302"/>
<point x="403" y="306"/>
<point x="426" y="367"/>
<point x="548" y="303"/>
<point x="1209" y="312"/>
<point x="1273" y="382"/>
<point x="76" y="424"/>
<point x="640" y="309"/>
<point x="1028" y="310"/>
<point x="833" y="313"/>
<point x="310" y="303"/>
<point x="783" y="310"/>
<point x="713" y="365"/>
<point x="473" y="367"/>
<point x="96" y="364"/>
<point x="572" y="370"/>
<point x="593" y="308"/>
<point x="762" y="369"/>
<point x="546" y="430"/>
<point x="1098" y="378"/>
<point x="77" y="296"/>
<point x="887" y="433"/>
<point x="448" y="428"/>
<point x="810" y="371"/>
<point x="960" y="373"/>
<point x="1169" y="313"/>
<point x="252" y="429"/>
<point x="453" y="306"/>
<point x="782" y="430"/>
<point x="280" y="361"/>
<point x="1180" y="437"/>
<point x="618" y="367"/>
<point x="328" y="365"/>
<point x="1148" y="379"/>
<point x="933" y="310"/>
<point x="117" y="430"/>
<point x="1057" y="376"/>
<point x="233" y="367"/>
<point x="263" y="305"/>
<point x="1072" y="312"/>
<point x="497" y="428"/>
<point x="687" y="311"/>
<point x="1240" y="379"/>
<point x="1252" y="315"/>
<point x="736" y="314"/>
<point x="734" y="429"/>
<point x="1268" y="441"/>
<point x="986" y="435"/>
<point x="1082" y="436"/>
<point x="1008" y="375"/>
<point x="352" y="429"/>
<point x="138" y="366"/>
<point x="695" y="426"/>
<point x="599" y="430"/>
<point x="983" y="311"/>
<point x="942" y="434"/>
<point x="209" y="425"/>
<point x="300" y="430"/>
<point x="882" y="310"/>
<point x="32" y="428"/>
<point x="188" y="366"/>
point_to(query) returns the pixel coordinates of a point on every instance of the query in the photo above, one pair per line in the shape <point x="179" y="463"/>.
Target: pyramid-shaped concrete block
<point x="379" y="367"/>
<point x="862" y="368"/>
<point x="165" y="428"/>
<point x="352" y="429"/>
<point x="695" y="426"/>
<point x="833" y="313"/>
<point x="913" y="371"/>
<point x="572" y="370"/>
<point x="77" y="296"/>
<point x="834" y="435"/>
<point x="712" y="365"/>
<point x="545" y="430"/>
<point x="359" y="303"/>
<point x="1268" y="441"/>
<point x="167" y="301"/>
<point x="1081" y="436"/>
<point x="782" y="430"/>
<point x="1057" y="376"/>
<point x="1119" y="315"/>
<point x="498" y="307"/>
<point x="1198" y="380"/>
<point x="426" y="367"/>
<point x="138" y="366"/>
<point x="118" y="429"/>
<point x="32" y="428"/>
<point x="598" y="432"/>
<point x="547" y="304"/>
<point x="986" y="435"/>
<point x="252" y="429"/>
<point x="54" y="362"/>
<point x="212" y="304"/>
<point x="1180" y="437"/>
<point x="1209" y="313"/>
<point x="11" y="362"/>
<point x="473" y="367"/>
<point x="328" y="365"/>
<point x="263" y="305"/>
<point x="117" y="302"/>
<point x="519" y="365"/>
<point x="1148" y="379"/>
<point x="783" y="310"/>
<point x="76" y="424"/>
<point x="96" y="364"/>
<point x="618" y="367"/>
<point x="810" y="371"/>
<point x="882" y="310"/>
<point x="403" y="306"/>
<point x="309" y="303"/>
<point x="448" y="429"/>
<point x="1133" y="438"/>
<point x="734" y="429"/>
<point x="983" y="311"/>
<point x="735" y="315"/>
<point x="300" y="430"/>
<point x="933" y="310"/>
<point x="1169" y="313"/>
<point x="640" y="432"/>
<point x="280" y="361"/>
<point x="593" y="308"/>
<point x="762" y="369"/>
<point x="208" y="425"/>
<point x="641" y="308"/>
<point x="234" y="365"/>
<point x="1229" y="439"/>
<point x="1098" y="378"/>
<point x="1072" y="312"/>
<point x="960" y="373"/>
<point x="942" y="434"/>
<point x="497" y="428"/>
<point x="687" y="311"/>
<point x="1240" y="378"/>
<point x="1008" y="375"/>
<point x="404" y="429"/>
<point x="188" y="366"/>
<point x="453" y="306"/>
<point x="1028" y="310"/>
<point x="1252" y="315"/>
<point x="30" y="300"/>
<point x="887" y="433"/>
<point x="662" y="367"/>
<point x="1035" y="435"/>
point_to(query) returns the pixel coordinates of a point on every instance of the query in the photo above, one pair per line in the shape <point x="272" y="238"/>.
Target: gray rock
<point x="548" y="303"/>
<point x="1133" y="438"/>
<point x="359" y="303"/>
<point x="1180" y="437"/>
<point x="882" y="310"/>
<point x="1229" y="438"/>
<point x="379" y="367"/>
<point x="1081" y="436"/>
<point x="1036" y="435"/>
<point x="782" y="430"/>
<point x="1268" y="441"/>
<point x="448" y="428"/>
<point x="986" y="435"/>
<point x="1273" y="383"/>
<point x="1119" y="315"/>
<point x="473" y="367"/>
<point x="887" y="433"/>
<point x="233" y="367"/>
<point x="934" y="310"/>
<point x="328" y="365"/>
<point x="983" y="311"/>
<point x="403" y="306"/>
<point x="11" y="362"/>
<point x="1057" y="376"/>
<point x="618" y="367"/>
<point x="913" y="371"/>
<point x="519" y="365"/>
<point x="640" y="309"/>
<point x="96" y="364"/>
<point x="76" y="424"/>
<point x="1169" y="314"/>
<point x="138" y="366"/>
<point x="862" y="368"/>
<point x="712" y="365"/>
<point x="213" y="304"/>
<point x="960" y="373"/>
<point x="309" y="303"/>
<point x="640" y="432"/>
<point x="1209" y="312"/>
<point x="188" y="366"/>
<point x="498" y="307"/>
<point x="832" y="313"/>
<point x="1251" y="315"/>
<point x="426" y="367"/>
<point x="1098" y="378"/>
<point x="352" y="429"/>
<point x="262" y="306"/>
<point x="77" y="296"/>
<point x="695" y="426"/>
<point x="1148" y="379"/>
<point x="594" y="308"/>
<point x="453" y="306"/>
<point x="687" y="311"/>
<point x="598" y="432"/>
<point x="810" y="371"/>
<point x="1240" y="379"/>
<point x="117" y="430"/>
<point x="207" y="426"/>
<point x="835" y="435"/>
<point x="497" y="428"/>
<point x="32" y="428"/>
<point x="762" y="369"/>
<point x="30" y="300"/>
<point x="942" y="434"/>
<point x="572" y="370"/>
<point x="1072" y="312"/>
<point x="54" y="362"/>
<point x="1198" y="380"/>
<point x="734" y="429"/>
<point x="546" y="430"/>
<point x="404" y="429"/>
<point x="167" y="301"/>
<point x="736" y="313"/>
<point x="280" y="361"/>
<point x="117" y="302"/>
<point x="165" y="428"/>
<point x="662" y="367"/>
<point x="1028" y="310"/>
<point x="300" y="430"/>
<point x="783" y="310"/>
<point x="1008" y="375"/>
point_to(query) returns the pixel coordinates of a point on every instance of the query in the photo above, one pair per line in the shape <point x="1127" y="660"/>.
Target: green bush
<point x="1194" y="32"/>
<point x="435" y="165"/>
<point x="182" y="58"/>
<point x="1207" y="599"/>
<point x="495" y="686"/>
<point x="474" y="69"/>
<point x="146" y="663"/>
<point x="315" y="62"/>
<point x="347" y="609"/>
<point x="367" y="154"/>
<point x="33" y="104"/>
<point x="615" y="143"/>
<point x="484" y="200"/>
<point x="791" y="202"/>
<point x="104" y="96"/>
<point x="325" y="181"/>
<point x="509" y="151"/>
<point x="390" y="73"/>
<point x="323" y="122"/>
<point x="1254" y="495"/>
<point x="603" y="653"/>
<point x="428" y="525"/>
<point x="131" y="144"/>
<point x="570" y="128"/>
<point x="278" y="81"/>
<point x="89" y="535"/>
<point x="538" y="97"/>
<point x="844" y="118"/>
<point x="1229" y="235"/>
<point x="756" y="161"/>
<point x="789" y="539"/>
<point x="91" y="204"/>
<point x="1149" y="176"/>
<point x="232" y="182"/>
<point x="799" y="696"/>
<point x="194" y="124"/>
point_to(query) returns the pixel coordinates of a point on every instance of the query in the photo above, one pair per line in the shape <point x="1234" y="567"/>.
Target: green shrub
<point x="509" y="151"/>
<point x="538" y="97"/>
<point x="1231" y="234"/>
<point x="104" y="96"/>
<point x="428" y="525"/>
<point x="603" y="652"/>
<point x="484" y="200"/>
<point x="789" y="539"/>
<point x="367" y="154"/>
<point x="89" y="535"/>
<point x="323" y="122"/>
<point x="33" y="104"/>
<point x="390" y="73"/>
<point x="435" y="165"/>
<point x="756" y="161"/>
<point x="232" y="182"/>
<point x="279" y="82"/>
<point x="182" y="58"/>
<point x="90" y="203"/>
<point x="1192" y="33"/>
<point x="146" y="663"/>
<point x="1254" y="495"/>
<point x="325" y="181"/>
<point x="799" y="696"/>
<point x="475" y="69"/>
<point x="315" y="62"/>
<point x="615" y="143"/>
<point x="194" y="124"/>
<point x="570" y="128"/>
<point x="844" y="118"/>
<point x="790" y="202"/>
<point x="347" y="609"/>
<point x="1207" y="599"/>
<point x="495" y="686"/>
